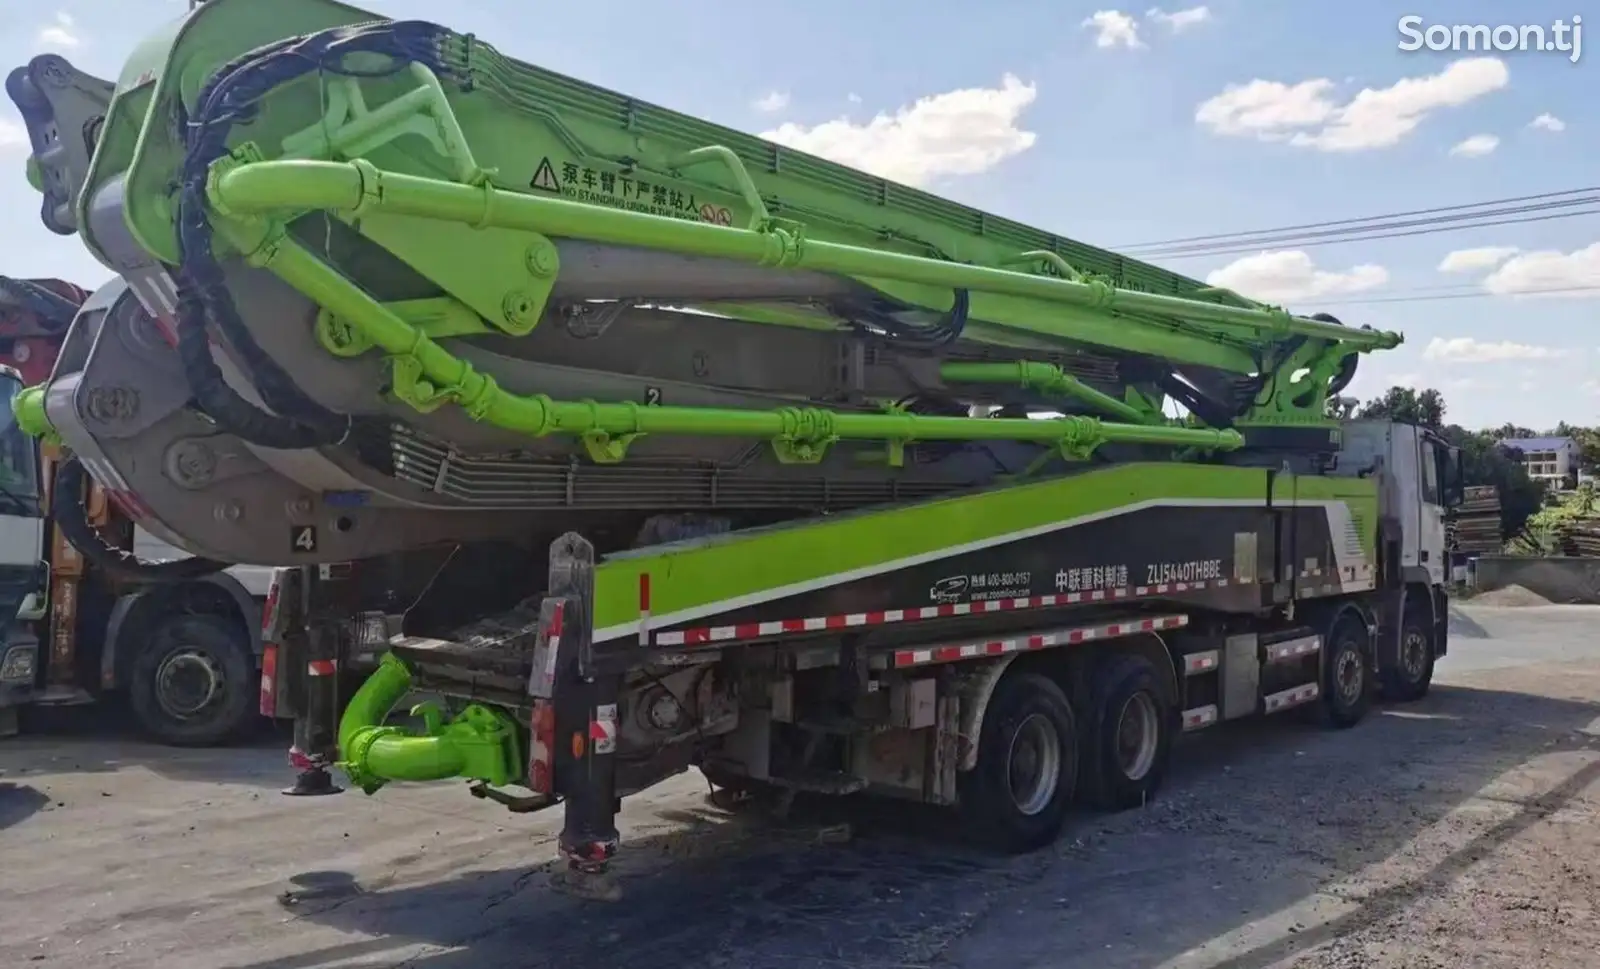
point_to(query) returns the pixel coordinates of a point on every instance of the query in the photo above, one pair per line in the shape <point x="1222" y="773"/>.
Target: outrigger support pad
<point x="585" y="695"/>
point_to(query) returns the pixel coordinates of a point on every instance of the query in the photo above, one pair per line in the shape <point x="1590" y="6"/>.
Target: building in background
<point x="1552" y="460"/>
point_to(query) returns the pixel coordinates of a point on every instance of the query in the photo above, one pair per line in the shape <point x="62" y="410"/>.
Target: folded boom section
<point x="416" y="290"/>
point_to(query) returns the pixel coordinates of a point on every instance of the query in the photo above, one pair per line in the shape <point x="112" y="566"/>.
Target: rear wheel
<point x="192" y="683"/>
<point x="1126" y="751"/>
<point x="1016" y="797"/>
<point x="1346" y="675"/>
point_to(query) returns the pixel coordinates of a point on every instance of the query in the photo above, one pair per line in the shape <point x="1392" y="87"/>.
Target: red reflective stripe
<point x="322" y="667"/>
<point x="269" y="609"/>
<point x="269" y="681"/>
<point x="541" y="767"/>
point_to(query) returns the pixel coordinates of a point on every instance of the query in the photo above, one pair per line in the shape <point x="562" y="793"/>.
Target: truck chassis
<point x="949" y="678"/>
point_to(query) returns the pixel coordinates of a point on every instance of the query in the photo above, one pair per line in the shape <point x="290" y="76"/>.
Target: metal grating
<point x="521" y="481"/>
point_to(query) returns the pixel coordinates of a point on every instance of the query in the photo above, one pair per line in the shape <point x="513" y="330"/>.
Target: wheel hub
<point x="1347" y="674"/>
<point x="1138" y="736"/>
<point x="187" y="682"/>
<point x="1033" y="764"/>
<point x="1414" y="653"/>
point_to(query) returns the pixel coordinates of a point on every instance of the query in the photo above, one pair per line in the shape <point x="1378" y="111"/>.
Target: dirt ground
<point x="1459" y="832"/>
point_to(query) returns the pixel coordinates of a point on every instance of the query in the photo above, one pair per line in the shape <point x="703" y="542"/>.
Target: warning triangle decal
<point x="545" y="177"/>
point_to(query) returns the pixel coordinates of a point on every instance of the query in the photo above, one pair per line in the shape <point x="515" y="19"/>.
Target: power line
<point x="1508" y="211"/>
<point x="1426" y="228"/>
<point x="1425" y="297"/>
<point x="1234" y="236"/>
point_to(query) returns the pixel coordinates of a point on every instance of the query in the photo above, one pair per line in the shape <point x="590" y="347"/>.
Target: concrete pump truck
<point x="701" y="451"/>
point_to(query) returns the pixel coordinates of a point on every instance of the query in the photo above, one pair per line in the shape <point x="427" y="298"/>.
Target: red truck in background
<point x="186" y="655"/>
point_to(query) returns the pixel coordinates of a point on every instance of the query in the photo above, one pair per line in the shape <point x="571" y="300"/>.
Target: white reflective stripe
<point x="1200" y="717"/>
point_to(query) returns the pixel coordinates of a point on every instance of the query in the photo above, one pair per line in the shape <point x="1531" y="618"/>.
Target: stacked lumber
<point x="1581" y="537"/>
<point x="1474" y="529"/>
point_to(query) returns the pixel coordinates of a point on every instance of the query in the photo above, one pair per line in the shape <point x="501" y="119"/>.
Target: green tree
<point x="1505" y="431"/>
<point x="1406" y="405"/>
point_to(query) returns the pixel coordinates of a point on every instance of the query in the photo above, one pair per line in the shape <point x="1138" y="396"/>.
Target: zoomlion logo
<point x="952" y="589"/>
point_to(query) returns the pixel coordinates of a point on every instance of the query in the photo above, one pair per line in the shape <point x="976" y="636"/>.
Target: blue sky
<point x="1105" y="143"/>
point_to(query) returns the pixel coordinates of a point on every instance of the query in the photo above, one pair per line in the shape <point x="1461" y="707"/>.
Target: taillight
<point x="269" y="680"/>
<point x="269" y="609"/>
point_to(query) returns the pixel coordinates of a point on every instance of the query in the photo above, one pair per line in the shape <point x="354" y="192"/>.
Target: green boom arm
<point x="463" y="160"/>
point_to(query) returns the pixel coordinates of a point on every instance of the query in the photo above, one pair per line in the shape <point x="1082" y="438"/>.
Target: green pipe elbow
<point x="395" y="756"/>
<point x="28" y="408"/>
<point x="480" y="743"/>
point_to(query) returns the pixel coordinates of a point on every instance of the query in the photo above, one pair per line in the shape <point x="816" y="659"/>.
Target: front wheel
<point x="191" y="684"/>
<point x="1016" y="797"/>
<point x="1412" y="676"/>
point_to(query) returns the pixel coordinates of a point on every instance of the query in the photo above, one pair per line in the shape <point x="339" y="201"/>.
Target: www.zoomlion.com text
<point x="1562" y="36"/>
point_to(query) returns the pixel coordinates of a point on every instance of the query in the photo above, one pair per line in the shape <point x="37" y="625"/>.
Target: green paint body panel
<point x="760" y="563"/>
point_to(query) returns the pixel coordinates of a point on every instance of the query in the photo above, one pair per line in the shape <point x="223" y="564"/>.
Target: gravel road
<point x="1457" y="832"/>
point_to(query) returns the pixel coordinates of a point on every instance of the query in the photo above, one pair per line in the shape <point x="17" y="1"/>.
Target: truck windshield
<point x="19" y="466"/>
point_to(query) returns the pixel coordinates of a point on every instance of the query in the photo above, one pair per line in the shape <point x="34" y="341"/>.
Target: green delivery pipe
<point x="28" y="408"/>
<point x="480" y="743"/>
<point x="1046" y="378"/>
<point x="295" y="185"/>
<point x="806" y="429"/>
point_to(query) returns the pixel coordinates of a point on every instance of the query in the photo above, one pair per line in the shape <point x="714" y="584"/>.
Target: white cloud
<point x="771" y="101"/>
<point x="853" y="98"/>
<point x="1476" y="147"/>
<point x="961" y="132"/>
<point x="1180" y="20"/>
<point x="1113" y="28"/>
<point x="62" y="33"/>
<point x="1549" y="273"/>
<point x="1464" y="349"/>
<point x="1476" y="260"/>
<point x="1548" y="122"/>
<point x="1308" y="115"/>
<point x="1268" y="110"/>
<point x="1291" y="276"/>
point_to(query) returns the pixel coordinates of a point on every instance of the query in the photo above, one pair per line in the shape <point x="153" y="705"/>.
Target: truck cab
<point x="22" y="575"/>
<point x="1419" y="480"/>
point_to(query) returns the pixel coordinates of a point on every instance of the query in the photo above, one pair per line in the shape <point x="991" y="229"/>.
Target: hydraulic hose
<point x="66" y="507"/>
<point x="232" y="96"/>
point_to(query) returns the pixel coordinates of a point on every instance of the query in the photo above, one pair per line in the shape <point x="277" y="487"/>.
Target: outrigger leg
<point x="313" y="635"/>
<point x="584" y="690"/>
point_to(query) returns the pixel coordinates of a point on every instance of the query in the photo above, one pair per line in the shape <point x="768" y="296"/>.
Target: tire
<point x="1127" y="746"/>
<point x="1409" y="679"/>
<point x="1347" y="682"/>
<point x="1029" y="710"/>
<point x="193" y="684"/>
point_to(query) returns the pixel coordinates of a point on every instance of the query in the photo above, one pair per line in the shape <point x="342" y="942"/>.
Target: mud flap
<point x="1391" y="620"/>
